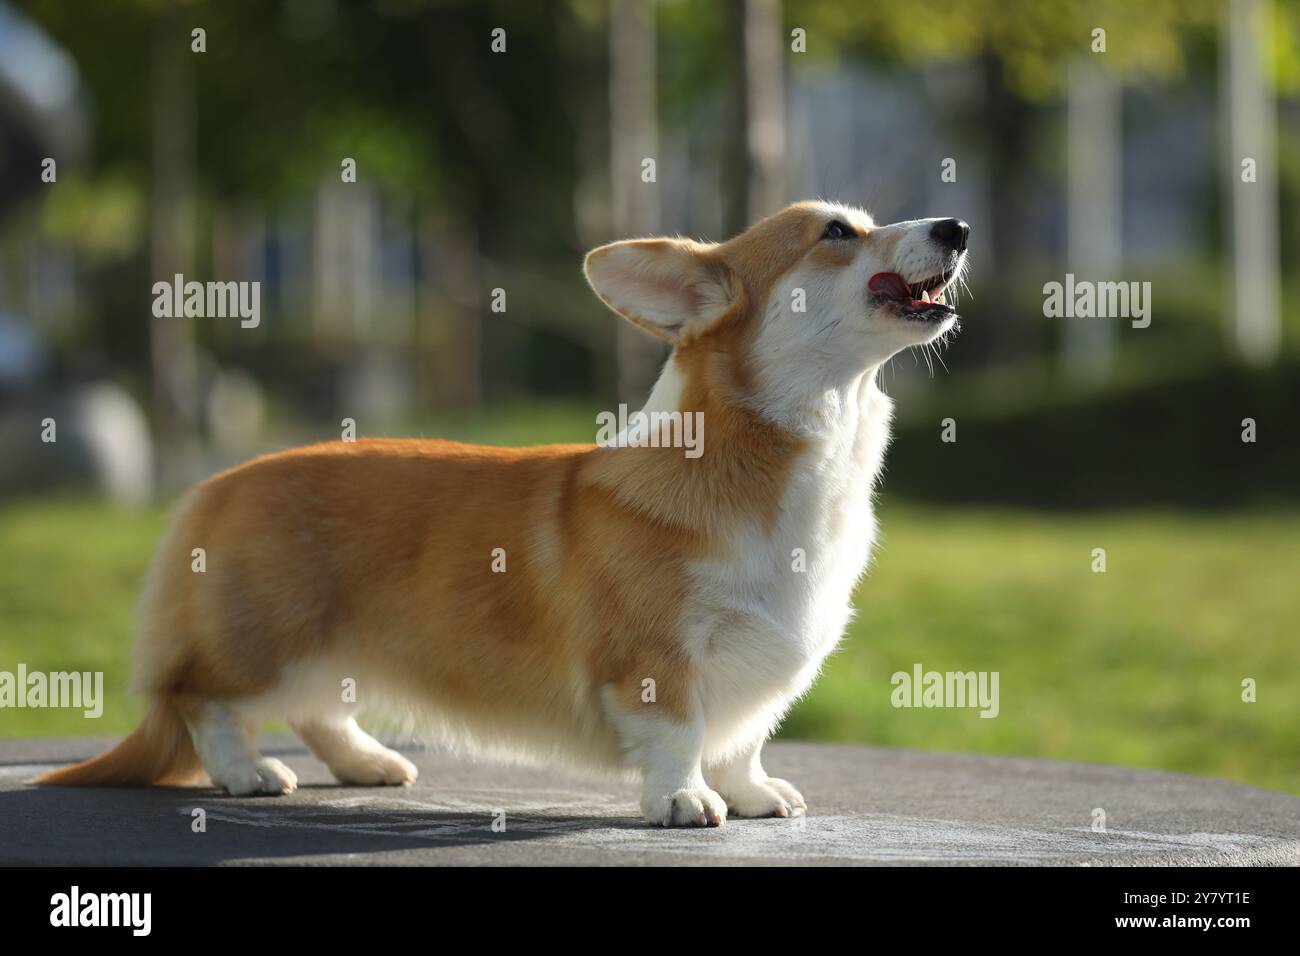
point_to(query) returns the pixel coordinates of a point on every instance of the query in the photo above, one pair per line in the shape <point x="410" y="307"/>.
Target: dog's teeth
<point x="925" y="295"/>
<point x="939" y="298"/>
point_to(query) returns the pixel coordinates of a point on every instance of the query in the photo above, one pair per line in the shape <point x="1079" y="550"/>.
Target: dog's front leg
<point x="747" y="788"/>
<point x="668" y="750"/>
<point x="674" y="793"/>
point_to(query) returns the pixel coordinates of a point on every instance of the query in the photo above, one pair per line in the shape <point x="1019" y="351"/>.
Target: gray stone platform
<point x="868" y="806"/>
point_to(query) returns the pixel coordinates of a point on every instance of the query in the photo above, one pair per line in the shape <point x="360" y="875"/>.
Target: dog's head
<point x="806" y="300"/>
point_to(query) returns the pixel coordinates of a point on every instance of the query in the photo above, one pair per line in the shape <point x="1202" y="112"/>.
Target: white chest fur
<point x="765" y="614"/>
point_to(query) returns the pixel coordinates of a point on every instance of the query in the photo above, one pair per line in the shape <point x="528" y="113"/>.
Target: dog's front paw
<point x="688" y="807"/>
<point x="266" y="775"/>
<point x="768" y="797"/>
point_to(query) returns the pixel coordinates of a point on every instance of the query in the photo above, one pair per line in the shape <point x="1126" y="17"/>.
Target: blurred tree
<point x="479" y="154"/>
<point x="1253" y="308"/>
<point x="472" y="147"/>
<point x="634" y="187"/>
<point x="1094" y="159"/>
<point x="1027" y="48"/>
<point x="171" y="246"/>
<point x="755" y="177"/>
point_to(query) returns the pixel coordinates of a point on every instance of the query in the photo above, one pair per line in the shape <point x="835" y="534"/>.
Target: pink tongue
<point x="890" y="284"/>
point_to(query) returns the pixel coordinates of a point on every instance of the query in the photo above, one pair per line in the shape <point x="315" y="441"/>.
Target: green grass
<point x="69" y="577"/>
<point x="1140" y="666"/>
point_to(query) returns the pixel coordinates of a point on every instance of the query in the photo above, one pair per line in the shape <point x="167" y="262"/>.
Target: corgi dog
<point x="618" y="605"/>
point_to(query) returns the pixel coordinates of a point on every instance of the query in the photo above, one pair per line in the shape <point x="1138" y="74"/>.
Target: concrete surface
<point x="868" y="806"/>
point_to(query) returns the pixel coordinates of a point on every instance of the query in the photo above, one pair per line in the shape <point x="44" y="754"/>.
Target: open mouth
<point x="922" y="300"/>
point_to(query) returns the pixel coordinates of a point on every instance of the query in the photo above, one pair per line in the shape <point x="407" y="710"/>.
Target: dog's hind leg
<point x="223" y="738"/>
<point x="352" y="755"/>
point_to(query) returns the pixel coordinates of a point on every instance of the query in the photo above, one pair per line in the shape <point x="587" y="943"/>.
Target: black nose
<point x="951" y="233"/>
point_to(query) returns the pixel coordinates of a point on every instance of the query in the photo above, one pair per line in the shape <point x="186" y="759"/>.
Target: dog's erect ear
<point x="672" y="288"/>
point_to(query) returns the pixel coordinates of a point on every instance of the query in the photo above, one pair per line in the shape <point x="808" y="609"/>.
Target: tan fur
<point x="159" y="752"/>
<point x="381" y="552"/>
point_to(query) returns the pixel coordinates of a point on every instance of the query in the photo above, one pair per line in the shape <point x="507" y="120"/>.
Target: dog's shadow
<point x="203" y="826"/>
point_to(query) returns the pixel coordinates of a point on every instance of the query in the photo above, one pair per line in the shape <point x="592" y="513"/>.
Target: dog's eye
<point x="837" y="230"/>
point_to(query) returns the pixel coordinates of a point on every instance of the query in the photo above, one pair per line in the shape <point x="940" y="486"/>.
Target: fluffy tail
<point x="158" y="752"/>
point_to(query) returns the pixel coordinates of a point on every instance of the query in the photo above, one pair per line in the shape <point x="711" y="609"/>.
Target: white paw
<point x="769" y="797"/>
<point x="688" y="807"/>
<point x="265" y="775"/>
<point x="379" y="768"/>
<point x="788" y="792"/>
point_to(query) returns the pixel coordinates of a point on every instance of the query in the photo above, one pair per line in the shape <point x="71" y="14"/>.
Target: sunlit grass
<point x="69" y="576"/>
<point x="1140" y="665"/>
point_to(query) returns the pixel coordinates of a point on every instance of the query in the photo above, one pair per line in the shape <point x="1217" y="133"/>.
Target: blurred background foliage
<point x="480" y="170"/>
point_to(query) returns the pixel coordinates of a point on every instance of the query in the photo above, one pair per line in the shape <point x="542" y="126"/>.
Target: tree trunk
<point x="1094" y="218"/>
<point x="1008" y="135"/>
<point x="755" y="176"/>
<point x="448" y="330"/>
<point x="171" y="340"/>
<point x="633" y="138"/>
<point x="1250" y="108"/>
